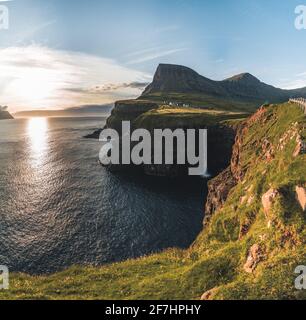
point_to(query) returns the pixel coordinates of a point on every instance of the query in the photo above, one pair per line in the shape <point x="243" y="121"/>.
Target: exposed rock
<point x="247" y="199"/>
<point x="5" y="115"/>
<point x="237" y="169"/>
<point x="208" y="295"/>
<point x="128" y="110"/>
<point x="268" y="150"/>
<point x="301" y="196"/>
<point x="251" y="200"/>
<point x="300" y="147"/>
<point x="256" y="255"/>
<point x="218" y="191"/>
<point x="243" y="199"/>
<point x="94" y="135"/>
<point x="268" y="200"/>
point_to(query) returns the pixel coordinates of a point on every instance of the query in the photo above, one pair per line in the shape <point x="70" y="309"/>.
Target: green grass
<point x="216" y="259"/>
<point x="207" y="102"/>
<point x="178" y="117"/>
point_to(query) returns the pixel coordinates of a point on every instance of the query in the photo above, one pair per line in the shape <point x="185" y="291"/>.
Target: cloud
<point x="110" y="87"/>
<point x="35" y="77"/>
<point x="155" y="54"/>
<point x="295" y="84"/>
<point x="299" y="81"/>
<point x="303" y="74"/>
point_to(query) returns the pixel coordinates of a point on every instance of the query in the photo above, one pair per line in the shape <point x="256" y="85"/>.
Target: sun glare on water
<point x="37" y="129"/>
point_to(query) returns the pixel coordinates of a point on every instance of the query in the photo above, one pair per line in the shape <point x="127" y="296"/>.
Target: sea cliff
<point x="253" y="239"/>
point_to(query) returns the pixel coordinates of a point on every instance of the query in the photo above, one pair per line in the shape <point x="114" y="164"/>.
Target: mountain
<point x="4" y="114"/>
<point x="173" y="78"/>
<point x="79" y="111"/>
<point x="240" y="92"/>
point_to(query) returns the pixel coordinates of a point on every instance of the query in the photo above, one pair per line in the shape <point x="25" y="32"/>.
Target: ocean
<point x="59" y="207"/>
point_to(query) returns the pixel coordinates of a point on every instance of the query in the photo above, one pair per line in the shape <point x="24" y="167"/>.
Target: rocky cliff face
<point x="220" y="187"/>
<point x="254" y="148"/>
<point x="255" y="211"/>
<point x="128" y="110"/>
<point x="5" y="115"/>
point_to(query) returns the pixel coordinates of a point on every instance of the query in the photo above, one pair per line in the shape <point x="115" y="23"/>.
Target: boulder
<point x="256" y="255"/>
<point x="301" y="196"/>
<point x="208" y="295"/>
<point x="300" y="147"/>
<point x="268" y="200"/>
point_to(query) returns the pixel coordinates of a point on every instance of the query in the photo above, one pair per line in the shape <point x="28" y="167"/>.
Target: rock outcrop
<point x="128" y="110"/>
<point x="218" y="190"/>
<point x="255" y="256"/>
<point x="268" y="200"/>
<point x="208" y="295"/>
<point x="220" y="187"/>
<point x="301" y="196"/>
<point x="5" y="115"/>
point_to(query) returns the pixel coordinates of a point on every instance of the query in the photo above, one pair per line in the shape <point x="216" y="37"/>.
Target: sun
<point x="34" y="86"/>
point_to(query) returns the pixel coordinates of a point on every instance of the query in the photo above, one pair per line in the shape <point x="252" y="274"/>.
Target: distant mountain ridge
<point x="175" y="79"/>
<point x="78" y="111"/>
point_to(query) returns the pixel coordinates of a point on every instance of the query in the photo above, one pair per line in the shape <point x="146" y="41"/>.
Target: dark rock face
<point x="94" y="135"/>
<point x="243" y="87"/>
<point x="220" y="146"/>
<point x="128" y="110"/>
<point x="5" y="115"/>
<point x="173" y="78"/>
<point x="218" y="190"/>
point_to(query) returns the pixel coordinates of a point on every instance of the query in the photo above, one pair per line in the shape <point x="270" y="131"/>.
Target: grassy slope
<point x="217" y="257"/>
<point x="178" y="117"/>
<point x="207" y="102"/>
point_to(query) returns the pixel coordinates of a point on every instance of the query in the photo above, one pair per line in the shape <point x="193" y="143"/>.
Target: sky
<point x="62" y="53"/>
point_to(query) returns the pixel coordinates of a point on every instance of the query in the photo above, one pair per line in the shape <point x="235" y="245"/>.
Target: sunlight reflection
<point x="37" y="131"/>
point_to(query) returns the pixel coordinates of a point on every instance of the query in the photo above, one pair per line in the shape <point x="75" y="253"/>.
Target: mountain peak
<point x="173" y="80"/>
<point x="243" y="77"/>
<point x="177" y="78"/>
<point x="166" y="71"/>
